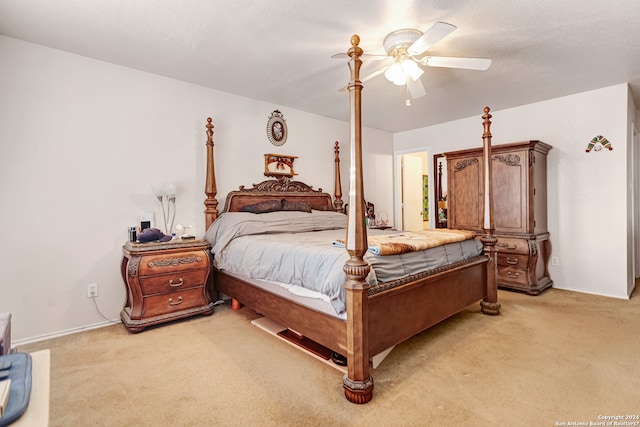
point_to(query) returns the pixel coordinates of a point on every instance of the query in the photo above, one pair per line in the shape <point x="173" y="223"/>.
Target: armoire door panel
<point x="465" y="195"/>
<point x="510" y="192"/>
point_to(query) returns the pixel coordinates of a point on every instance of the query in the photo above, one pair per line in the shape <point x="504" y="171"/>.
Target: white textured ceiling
<point x="280" y="51"/>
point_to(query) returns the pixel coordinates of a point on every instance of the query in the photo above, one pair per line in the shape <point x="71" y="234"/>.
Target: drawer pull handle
<point x="514" y="275"/>
<point x="175" y="285"/>
<point x="508" y="246"/>
<point x="171" y="302"/>
<point x="512" y="261"/>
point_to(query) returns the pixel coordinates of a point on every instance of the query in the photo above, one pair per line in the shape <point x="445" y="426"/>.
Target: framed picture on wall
<point x="279" y="165"/>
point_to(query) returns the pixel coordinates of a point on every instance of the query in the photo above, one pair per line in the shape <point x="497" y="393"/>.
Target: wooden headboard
<point x="279" y="188"/>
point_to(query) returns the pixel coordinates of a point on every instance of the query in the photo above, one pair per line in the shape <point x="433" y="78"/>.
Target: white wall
<point x="81" y="142"/>
<point x="587" y="193"/>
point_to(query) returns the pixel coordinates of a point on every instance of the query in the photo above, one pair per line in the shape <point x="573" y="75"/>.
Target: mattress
<point x="295" y="251"/>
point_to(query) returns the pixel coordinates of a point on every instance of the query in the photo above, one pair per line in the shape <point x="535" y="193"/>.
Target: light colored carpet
<point x="558" y="357"/>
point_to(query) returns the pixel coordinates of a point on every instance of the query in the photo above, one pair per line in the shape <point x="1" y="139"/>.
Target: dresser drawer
<point x="158" y="305"/>
<point x="512" y="275"/>
<point x="173" y="282"/>
<point x="173" y="262"/>
<point x="512" y="245"/>
<point x="514" y="260"/>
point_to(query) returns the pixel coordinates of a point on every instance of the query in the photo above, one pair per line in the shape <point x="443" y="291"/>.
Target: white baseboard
<point x="582" y="291"/>
<point x="16" y="343"/>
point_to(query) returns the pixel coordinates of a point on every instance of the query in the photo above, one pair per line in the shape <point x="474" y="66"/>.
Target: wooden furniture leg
<point x="357" y="383"/>
<point x="489" y="304"/>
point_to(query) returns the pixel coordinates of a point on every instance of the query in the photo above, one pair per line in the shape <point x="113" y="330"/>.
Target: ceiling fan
<point x="406" y="48"/>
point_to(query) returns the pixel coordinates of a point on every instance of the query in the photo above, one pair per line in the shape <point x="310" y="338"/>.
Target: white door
<point x="412" y="193"/>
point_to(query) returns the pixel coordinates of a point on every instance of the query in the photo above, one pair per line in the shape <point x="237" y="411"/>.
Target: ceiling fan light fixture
<point x="399" y="71"/>
<point x="411" y="68"/>
<point x="396" y="74"/>
<point x="405" y="49"/>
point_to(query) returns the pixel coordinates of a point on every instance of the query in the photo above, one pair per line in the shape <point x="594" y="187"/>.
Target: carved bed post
<point x="337" y="192"/>
<point x="490" y="304"/>
<point x="211" y="203"/>
<point x="357" y="383"/>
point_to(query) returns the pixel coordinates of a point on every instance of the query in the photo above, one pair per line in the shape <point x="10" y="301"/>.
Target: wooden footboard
<point x="400" y="313"/>
<point x="395" y="314"/>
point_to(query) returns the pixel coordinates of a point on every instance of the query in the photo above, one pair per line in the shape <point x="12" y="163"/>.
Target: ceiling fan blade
<point x="433" y="35"/>
<point x="367" y="77"/>
<point x="370" y="56"/>
<point x="373" y="74"/>
<point x="416" y="88"/>
<point x="481" y="64"/>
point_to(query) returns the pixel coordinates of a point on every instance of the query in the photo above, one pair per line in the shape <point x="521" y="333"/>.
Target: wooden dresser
<point x="165" y="281"/>
<point x="519" y="208"/>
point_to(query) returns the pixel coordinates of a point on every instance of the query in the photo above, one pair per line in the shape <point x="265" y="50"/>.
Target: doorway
<point x="412" y="188"/>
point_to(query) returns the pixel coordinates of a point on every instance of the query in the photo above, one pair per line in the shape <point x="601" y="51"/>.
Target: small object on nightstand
<point x="153" y="235"/>
<point x="183" y="231"/>
<point x="380" y="227"/>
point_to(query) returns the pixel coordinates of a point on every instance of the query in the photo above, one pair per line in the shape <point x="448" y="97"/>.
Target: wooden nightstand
<point x="165" y="281"/>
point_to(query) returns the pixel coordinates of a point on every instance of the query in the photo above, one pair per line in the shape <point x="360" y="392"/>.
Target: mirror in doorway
<point x="440" y="191"/>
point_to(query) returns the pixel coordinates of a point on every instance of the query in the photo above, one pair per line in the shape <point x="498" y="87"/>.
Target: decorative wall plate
<point x="597" y="143"/>
<point x="277" y="128"/>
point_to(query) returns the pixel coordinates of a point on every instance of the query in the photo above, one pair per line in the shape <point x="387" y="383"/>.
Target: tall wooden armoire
<point x="519" y="208"/>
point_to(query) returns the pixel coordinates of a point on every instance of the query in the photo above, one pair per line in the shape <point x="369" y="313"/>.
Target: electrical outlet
<point x="92" y="290"/>
<point x="555" y="260"/>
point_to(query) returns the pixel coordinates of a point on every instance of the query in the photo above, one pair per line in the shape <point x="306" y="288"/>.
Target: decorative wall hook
<point x="597" y="143"/>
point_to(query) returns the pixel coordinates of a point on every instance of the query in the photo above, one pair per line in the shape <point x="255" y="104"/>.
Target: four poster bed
<point x="369" y="316"/>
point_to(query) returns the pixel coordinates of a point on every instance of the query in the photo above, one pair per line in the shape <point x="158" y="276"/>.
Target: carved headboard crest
<point x="283" y="184"/>
<point x="280" y="188"/>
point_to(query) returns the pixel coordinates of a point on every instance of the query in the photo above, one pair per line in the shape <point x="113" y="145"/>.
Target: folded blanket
<point x="410" y="241"/>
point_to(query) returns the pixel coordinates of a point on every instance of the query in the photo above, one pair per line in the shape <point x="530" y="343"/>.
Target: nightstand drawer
<point x="512" y="275"/>
<point x="173" y="282"/>
<point x="158" y="305"/>
<point x="514" y="260"/>
<point x="173" y="262"/>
